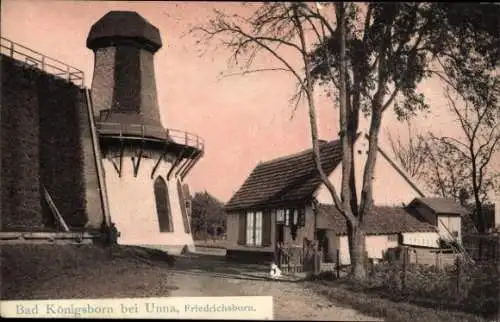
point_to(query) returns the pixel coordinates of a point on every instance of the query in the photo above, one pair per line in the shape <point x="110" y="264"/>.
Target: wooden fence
<point x="438" y="258"/>
<point x="482" y="247"/>
<point x="304" y="260"/>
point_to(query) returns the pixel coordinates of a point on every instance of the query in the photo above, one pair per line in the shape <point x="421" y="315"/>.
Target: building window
<point x="254" y="228"/>
<point x="280" y="216"/>
<point x="184" y="211"/>
<point x="163" y="205"/>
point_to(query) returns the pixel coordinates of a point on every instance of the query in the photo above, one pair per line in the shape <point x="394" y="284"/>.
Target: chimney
<point x="123" y="84"/>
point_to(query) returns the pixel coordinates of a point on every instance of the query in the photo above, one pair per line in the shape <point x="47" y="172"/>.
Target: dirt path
<point x="71" y="272"/>
<point x="209" y="276"/>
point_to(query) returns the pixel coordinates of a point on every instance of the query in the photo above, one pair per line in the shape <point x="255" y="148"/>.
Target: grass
<point x="427" y="295"/>
<point x="380" y="307"/>
<point x="82" y="271"/>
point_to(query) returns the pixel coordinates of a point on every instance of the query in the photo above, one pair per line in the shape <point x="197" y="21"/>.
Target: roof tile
<point x="292" y="178"/>
<point x="381" y="220"/>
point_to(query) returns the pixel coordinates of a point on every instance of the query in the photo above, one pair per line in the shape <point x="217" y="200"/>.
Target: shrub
<point x="476" y="291"/>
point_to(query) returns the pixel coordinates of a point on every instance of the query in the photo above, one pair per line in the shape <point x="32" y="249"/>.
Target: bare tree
<point x="458" y="167"/>
<point x="412" y="154"/>
<point x="479" y="121"/>
<point x="370" y="57"/>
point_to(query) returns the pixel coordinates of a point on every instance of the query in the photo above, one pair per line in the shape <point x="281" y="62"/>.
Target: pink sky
<point x="243" y="120"/>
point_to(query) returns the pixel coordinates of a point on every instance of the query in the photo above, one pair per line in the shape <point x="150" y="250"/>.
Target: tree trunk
<point x="357" y="251"/>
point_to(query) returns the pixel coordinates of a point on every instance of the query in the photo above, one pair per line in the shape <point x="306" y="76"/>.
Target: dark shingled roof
<point x="442" y="205"/>
<point x="292" y="178"/>
<point x="116" y="26"/>
<point x="380" y="221"/>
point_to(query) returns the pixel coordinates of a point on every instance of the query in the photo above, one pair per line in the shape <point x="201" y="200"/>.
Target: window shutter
<point x="290" y="217"/>
<point x="302" y="217"/>
<point x="266" y="228"/>
<point x="242" y="218"/>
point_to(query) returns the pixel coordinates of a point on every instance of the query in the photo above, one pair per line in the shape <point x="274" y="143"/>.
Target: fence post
<point x="459" y="275"/>
<point x="440" y="259"/>
<point x="317" y="262"/>
<point x="406" y="258"/>
<point x="337" y="266"/>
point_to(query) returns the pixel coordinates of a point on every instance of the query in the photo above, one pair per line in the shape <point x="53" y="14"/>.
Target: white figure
<point x="275" y="271"/>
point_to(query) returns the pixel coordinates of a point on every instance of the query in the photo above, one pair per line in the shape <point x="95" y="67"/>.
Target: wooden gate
<point x="295" y="259"/>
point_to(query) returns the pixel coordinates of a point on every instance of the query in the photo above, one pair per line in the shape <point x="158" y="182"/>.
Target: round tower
<point x="144" y="162"/>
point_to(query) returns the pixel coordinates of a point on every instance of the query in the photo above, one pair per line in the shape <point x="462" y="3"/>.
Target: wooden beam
<point x="113" y="162"/>
<point x="121" y="158"/>
<point x="54" y="209"/>
<point x="98" y="159"/>
<point x="158" y="163"/>
<point x="191" y="165"/>
<point x="186" y="162"/>
<point x="136" y="164"/>
<point x="176" y="162"/>
<point x="191" y="161"/>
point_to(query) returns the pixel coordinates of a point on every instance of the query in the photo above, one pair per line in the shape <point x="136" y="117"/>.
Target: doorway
<point x="324" y="245"/>
<point x="280" y="234"/>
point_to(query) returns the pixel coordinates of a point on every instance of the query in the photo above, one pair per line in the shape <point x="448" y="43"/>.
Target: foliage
<point x="207" y="215"/>
<point x="428" y="286"/>
<point x="385" y="308"/>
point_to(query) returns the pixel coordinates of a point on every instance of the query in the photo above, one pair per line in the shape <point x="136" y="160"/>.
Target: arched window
<point x="182" y="199"/>
<point x="163" y="205"/>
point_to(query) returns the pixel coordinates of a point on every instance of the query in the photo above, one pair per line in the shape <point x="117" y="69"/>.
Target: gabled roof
<point x="441" y="206"/>
<point x="380" y="221"/>
<point x="292" y="178"/>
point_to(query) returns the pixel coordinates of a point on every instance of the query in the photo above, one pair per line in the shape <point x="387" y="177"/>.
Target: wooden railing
<point x="38" y="60"/>
<point x="291" y="259"/>
<point x="144" y="131"/>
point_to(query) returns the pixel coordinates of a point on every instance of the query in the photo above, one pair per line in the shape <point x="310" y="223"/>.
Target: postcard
<point x="327" y="161"/>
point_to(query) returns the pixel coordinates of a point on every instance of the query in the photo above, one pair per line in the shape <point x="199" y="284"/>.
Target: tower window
<point x="163" y="205"/>
<point x="183" y="205"/>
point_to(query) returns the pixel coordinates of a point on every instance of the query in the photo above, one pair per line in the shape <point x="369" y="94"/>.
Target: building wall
<point x="302" y="232"/>
<point x="104" y="72"/>
<point x="428" y="239"/>
<point x="233" y="224"/>
<point x="148" y="96"/>
<point x="449" y="223"/>
<point x="375" y="245"/>
<point x="389" y="187"/>
<point x="133" y="206"/>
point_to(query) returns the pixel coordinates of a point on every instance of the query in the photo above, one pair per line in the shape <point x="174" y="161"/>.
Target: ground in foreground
<point x="70" y="271"/>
